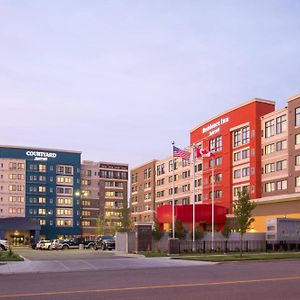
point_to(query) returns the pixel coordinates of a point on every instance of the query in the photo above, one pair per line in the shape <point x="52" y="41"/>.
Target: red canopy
<point x="184" y="213"/>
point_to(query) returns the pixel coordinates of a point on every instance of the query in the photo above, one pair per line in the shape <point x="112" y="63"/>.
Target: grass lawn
<point x="9" y="256"/>
<point x="237" y="257"/>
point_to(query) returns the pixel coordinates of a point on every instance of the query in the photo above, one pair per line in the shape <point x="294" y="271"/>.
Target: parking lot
<point x="69" y="254"/>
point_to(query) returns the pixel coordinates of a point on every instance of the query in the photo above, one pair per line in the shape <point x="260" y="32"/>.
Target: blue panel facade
<point x="43" y="167"/>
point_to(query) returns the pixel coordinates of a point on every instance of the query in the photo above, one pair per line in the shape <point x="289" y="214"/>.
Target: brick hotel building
<point x="256" y="148"/>
<point x="104" y="193"/>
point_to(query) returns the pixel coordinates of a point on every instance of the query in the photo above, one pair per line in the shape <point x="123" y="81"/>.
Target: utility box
<point x="283" y="230"/>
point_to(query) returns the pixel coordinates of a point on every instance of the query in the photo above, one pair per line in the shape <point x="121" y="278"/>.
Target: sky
<point x="121" y="80"/>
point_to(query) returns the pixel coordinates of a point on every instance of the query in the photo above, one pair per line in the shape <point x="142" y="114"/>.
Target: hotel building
<point x="39" y="184"/>
<point x="234" y="137"/>
<point x="280" y="187"/>
<point x="103" y="196"/>
<point x="142" y="192"/>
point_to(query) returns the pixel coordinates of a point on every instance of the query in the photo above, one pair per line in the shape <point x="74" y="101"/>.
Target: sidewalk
<point x="135" y="262"/>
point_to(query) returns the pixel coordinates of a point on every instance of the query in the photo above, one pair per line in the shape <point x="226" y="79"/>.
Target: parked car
<point x="46" y="245"/>
<point x="56" y="244"/>
<point x="105" y="242"/>
<point x="3" y="245"/>
<point x="74" y="243"/>
<point x="43" y="245"/>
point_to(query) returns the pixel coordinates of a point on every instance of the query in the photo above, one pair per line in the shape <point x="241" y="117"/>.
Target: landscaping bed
<point x="10" y="256"/>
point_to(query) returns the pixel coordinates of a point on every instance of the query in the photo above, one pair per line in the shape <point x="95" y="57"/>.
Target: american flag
<point x="181" y="153"/>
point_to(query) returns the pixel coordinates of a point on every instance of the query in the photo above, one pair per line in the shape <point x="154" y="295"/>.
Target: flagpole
<point x="194" y="160"/>
<point x="173" y="201"/>
<point x="212" y="204"/>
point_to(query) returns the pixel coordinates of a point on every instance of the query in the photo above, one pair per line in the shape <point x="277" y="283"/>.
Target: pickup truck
<point x="74" y="243"/>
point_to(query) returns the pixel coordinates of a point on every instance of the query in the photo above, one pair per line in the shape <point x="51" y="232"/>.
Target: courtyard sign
<point x="38" y="155"/>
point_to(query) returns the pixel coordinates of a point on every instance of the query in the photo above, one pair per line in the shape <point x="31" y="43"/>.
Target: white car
<point x="44" y="245"/>
<point x="3" y="245"/>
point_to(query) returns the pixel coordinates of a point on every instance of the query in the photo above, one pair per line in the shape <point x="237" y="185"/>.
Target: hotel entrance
<point x="20" y="232"/>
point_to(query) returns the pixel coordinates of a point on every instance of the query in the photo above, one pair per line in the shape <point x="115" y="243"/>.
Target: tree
<point x="228" y="228"/>
<point x="157" y="233"/>
<point x="126" y="223"/>
<point x="179" y="230"/>
<point x="242" y="210"/>
<point x="100" y="225"/>
<point x="199" y="233"/>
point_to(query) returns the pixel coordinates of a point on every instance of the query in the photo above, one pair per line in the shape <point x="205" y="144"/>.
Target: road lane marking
<point x="137" y="288"/>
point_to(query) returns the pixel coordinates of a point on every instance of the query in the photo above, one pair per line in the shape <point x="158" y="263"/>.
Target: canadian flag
<point x="203" y="153"/>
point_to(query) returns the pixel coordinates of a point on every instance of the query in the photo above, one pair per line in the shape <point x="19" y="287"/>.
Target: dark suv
<point x="105" y="242"/>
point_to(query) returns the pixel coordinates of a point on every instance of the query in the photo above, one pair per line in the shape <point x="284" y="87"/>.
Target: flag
<point x="200" y="153"/>
<point x="181" y="153"/>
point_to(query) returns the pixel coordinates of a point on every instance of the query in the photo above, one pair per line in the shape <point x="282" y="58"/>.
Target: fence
<point x="223" y="246"/>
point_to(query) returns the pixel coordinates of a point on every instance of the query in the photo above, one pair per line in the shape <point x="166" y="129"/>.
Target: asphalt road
<point x="242" y="280"/>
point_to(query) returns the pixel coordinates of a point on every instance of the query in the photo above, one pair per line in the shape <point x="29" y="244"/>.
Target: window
<point x="42" y="168"/>
<point x="147" y="173"/>
<point x="171" y="165"/>
<point x="62" y="201"/>
<point x="42" y="200"/>
<point x="241" y="136"/>
<point x="236" y="191"/>
<point x="269" y="168"/>
<point x="297" y="139"/>
<point x="297" y="116"/>
<point x="186" y="188"/>
<point x="42" y="222"/>
<point x="64" y="222"/>
<point x="245" y="153"/>
<point x="219" y="143"/>
<point x="64" y="170"/>
<point x="237" y="156"/>
<point x="186" y="174"/>
<point x="281" y="145"/>
<point x="198" y="198"/>
<point x="270" y="187"/>
<point x="297" y="181"/>
<point x="64" y="211"/>
<point x="218" y="194"/>
<point x="147" y="185"/>
<point x="212" y="145"/>
<point x="297" y="160"/>
<point x="64" y="190"/>
<point x="42" y="189"/>
<point x="282" y="185"/>
<point x="218" y="177"/>
<point x="236" y="174"/>
<point x="198" y="182"/>
<point x="281" y="124"/>
<point x="41" y="211"/>
<point x="236" y="138"/>
<point x="160" y="169"/>
<point x="269" y="149"/>
<point x="281" y="165"/>
<point x="245" y="172"/>
<point x="218" y="161"/>
<point x="269" y="128"/>
<point x="245" y="135"/>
